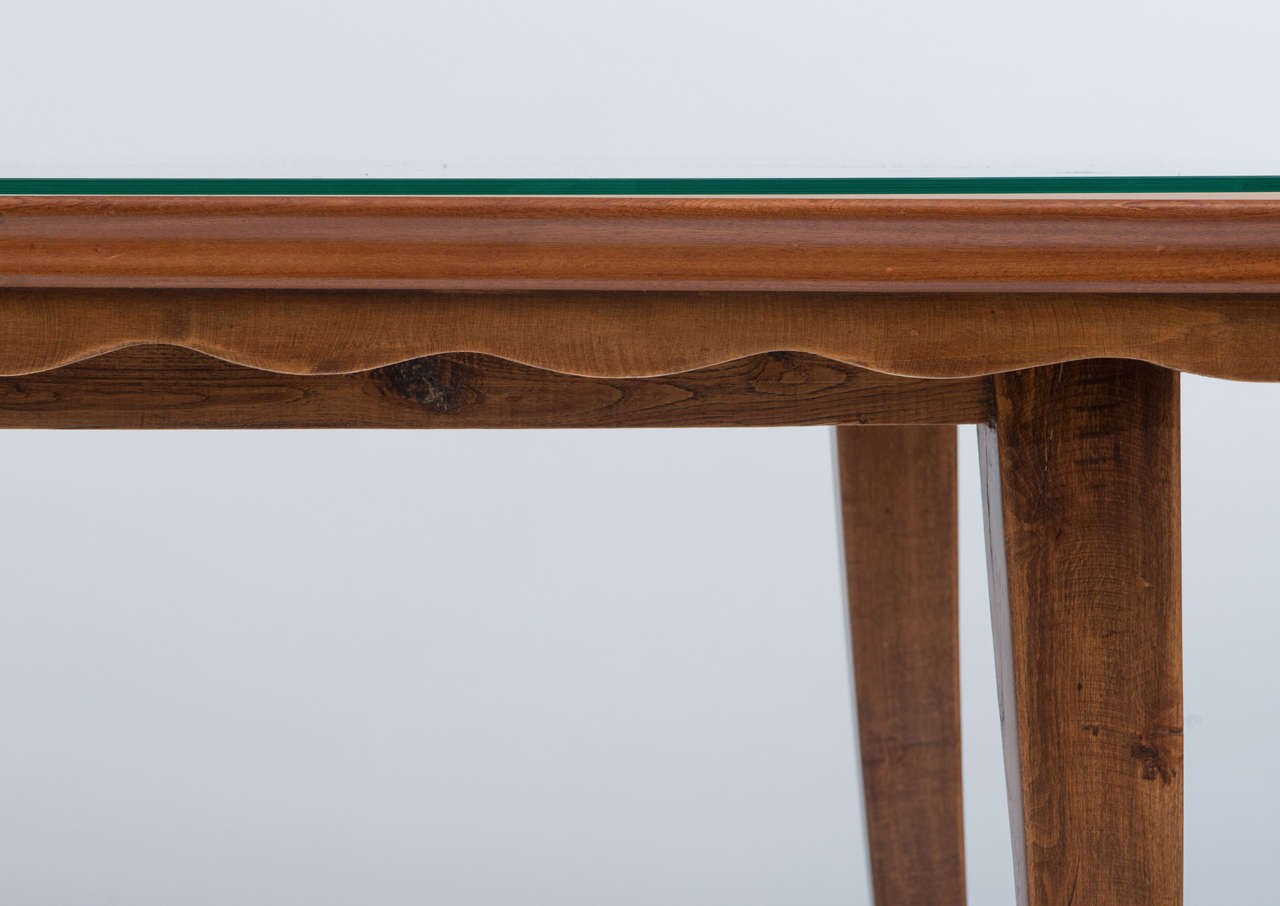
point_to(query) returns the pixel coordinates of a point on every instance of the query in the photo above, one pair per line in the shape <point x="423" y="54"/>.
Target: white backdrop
<point x="345" y="667"/>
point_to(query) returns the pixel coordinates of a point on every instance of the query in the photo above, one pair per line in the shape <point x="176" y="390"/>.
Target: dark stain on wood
<point x="1154" y="761"/>
<point x="441" y="383"/>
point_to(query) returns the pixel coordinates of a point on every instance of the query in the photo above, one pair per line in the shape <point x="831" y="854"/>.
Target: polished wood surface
<point x="880" y="244"/>
<point x="168" y="387"/>
<point x="647" y="334"/>
<point x="1081" y="478"/>
<point x="898" y="508"/>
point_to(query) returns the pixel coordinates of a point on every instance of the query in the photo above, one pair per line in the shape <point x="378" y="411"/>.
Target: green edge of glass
<point x="997" y="185"/>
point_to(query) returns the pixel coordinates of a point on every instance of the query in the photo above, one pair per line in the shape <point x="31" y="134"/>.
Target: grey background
<point x="344" y="667"/>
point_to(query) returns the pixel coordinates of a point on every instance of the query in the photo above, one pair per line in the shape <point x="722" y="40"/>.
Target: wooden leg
<point x="1080" y="476"/>
<point x="898" y="493"/>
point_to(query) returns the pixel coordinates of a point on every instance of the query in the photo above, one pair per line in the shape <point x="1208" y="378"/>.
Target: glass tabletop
<point x="1054" y="185"/>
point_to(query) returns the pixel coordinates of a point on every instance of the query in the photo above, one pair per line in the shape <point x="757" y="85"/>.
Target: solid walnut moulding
<point x="646" y="334"/>
<point x="167" y="387"/>
<point x="528" y="243"/>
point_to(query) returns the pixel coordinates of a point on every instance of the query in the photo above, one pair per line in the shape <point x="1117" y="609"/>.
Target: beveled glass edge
<point x="801" y="186"/>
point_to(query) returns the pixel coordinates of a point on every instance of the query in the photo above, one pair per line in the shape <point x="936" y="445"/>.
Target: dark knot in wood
<point x="441" y="383"/>
<point x="1154" y="756"/>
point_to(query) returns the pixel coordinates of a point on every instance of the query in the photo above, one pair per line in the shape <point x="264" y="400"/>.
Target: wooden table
<point x="1054" y="314"/>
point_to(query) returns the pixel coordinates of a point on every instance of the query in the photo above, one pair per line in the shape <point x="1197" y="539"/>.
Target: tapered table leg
<point x="898" y="492"/>
<point x="1080" y="476"/>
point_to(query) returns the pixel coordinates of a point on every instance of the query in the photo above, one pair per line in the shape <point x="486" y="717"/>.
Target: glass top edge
<point x="805" y="186"/>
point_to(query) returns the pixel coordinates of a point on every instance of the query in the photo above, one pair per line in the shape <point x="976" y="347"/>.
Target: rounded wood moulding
<point x="868" y="244"/>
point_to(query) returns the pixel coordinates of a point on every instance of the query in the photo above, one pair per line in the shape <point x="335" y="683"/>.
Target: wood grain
<point x="1081" y="479"/>
<point x="1164" y="245"/>
<point x="898" y="493"/>
<point x="166" y="387"/>
<point x="647" y="334"/>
